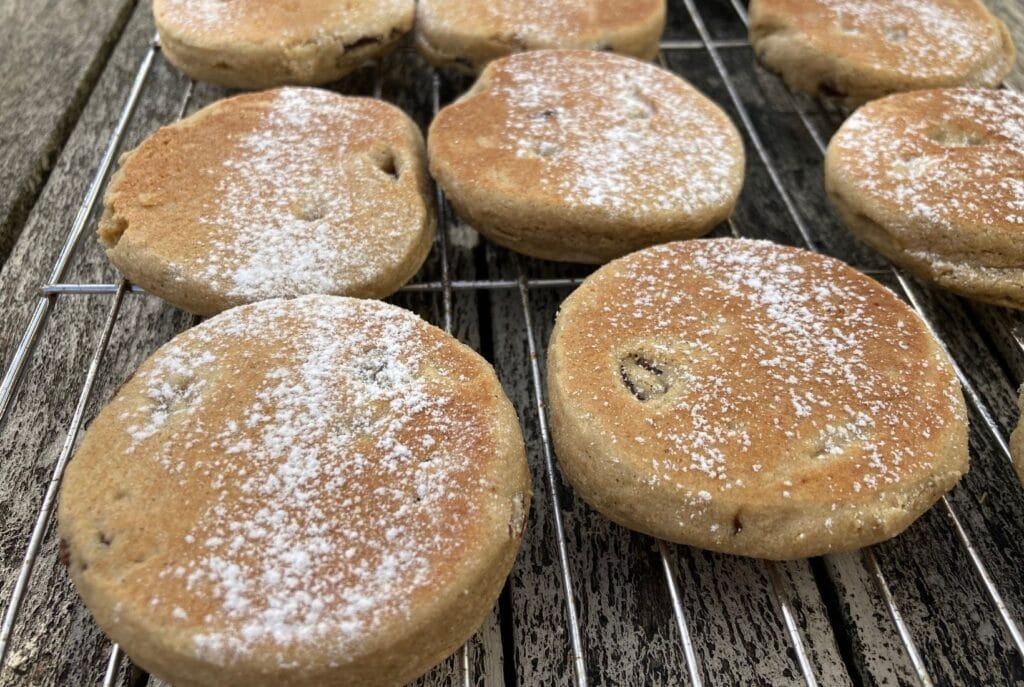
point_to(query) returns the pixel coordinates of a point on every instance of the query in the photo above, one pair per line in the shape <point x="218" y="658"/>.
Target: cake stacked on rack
<point x="932" y="176"/>
<point x="312" y="489"/>
<point x="934" y="180"/>
<point x="753" y="399"/>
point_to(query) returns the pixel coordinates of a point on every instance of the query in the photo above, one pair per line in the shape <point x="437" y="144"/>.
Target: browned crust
<point x="518" y="201"/>
<point x="996" y="285"/>
<point x="122" y="517"/>
<point x="155" y="223"/>
<point x="469" y="35"/>
<point x="926" y="178"/>
<point x="262" y="45"/>
<point x="860" y="59"/>
<point x="782" y="495"/>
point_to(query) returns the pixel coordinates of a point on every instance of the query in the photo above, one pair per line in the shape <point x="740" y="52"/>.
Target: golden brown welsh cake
<point x="753" y="399"/>
<point x="277" y="193"/>
<point x="313" y="492"/>
<point x="468" y="35"/>
<point x="584" y="156"/>
<point x="260" y="44"/>
<point x="863" y="49"/>
<point x="934" y="180"/>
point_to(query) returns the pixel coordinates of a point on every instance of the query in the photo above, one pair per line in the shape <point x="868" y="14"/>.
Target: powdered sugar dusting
<point x="950" y="156"/>
<point x="339" y="475"/>
<point x="762" y="368"/>
<point x="926" y="38"/>
<point x="202" y="15"/>
<point x="616" y="134"/>
<point x="296" y="211"/>
<point x="227" y="23"/>
<point x="536" y="23"/>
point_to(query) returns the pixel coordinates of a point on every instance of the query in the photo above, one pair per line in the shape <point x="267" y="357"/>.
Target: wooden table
<point x="644" y="613"/>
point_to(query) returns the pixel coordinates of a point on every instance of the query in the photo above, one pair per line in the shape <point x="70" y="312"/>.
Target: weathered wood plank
<point x="55" y="641"/>
<point x="539" y="623"/>
<point x="737" y="627"/>
<point x="1005" y="330"/>
<point x="52" y="54"/>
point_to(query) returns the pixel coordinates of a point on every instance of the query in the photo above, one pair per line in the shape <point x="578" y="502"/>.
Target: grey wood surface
<point x="55" y="641"/>
<point x="51" y="54"/>
<point x="733" y="606"/>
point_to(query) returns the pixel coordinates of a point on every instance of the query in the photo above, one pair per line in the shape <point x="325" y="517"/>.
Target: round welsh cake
<point x="934" y="180"/>
<point x="318" y="491"/>
<point x="753" y="399"/>
<point x="260" y="44"/>
<point x="468" y="35"/>
<point x="585" y="156"/>
<point x="864" y="49"/>
<point x="278" y="193"/>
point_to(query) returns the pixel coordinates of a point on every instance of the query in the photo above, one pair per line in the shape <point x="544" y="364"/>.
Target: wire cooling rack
<point x="885" y="615"/>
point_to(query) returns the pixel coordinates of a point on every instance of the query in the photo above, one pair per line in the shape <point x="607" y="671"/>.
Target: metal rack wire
<point x="781" y="585"/>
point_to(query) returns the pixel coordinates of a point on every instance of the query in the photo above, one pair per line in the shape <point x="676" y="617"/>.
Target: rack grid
<point x="840" y="650"/>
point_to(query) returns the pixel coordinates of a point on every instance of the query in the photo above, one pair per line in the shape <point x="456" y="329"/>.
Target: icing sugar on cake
<point x="545" y="22"/>
<point x="585" y="156"/>
<point x="274" y="224"/>
<point x="339" y="479"/>
<point x="613" y="133"/>
<point x="752" y="398"/>
<point x="202" y="15"/>
<point x="865" y="49"/>
<point x="277" y="21"/>
<point x="922" y="36"/>
<point x="542" y="20"/>
<point x="767" y="347"/>
<point x="272" y="194"/>
<point x="943" y="155"/>
<point x="532" y="24"/>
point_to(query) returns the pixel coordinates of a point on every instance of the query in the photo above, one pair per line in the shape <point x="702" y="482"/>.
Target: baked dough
<point x="468" y="35"/>
<point x="259" y="44"/>
<point x="752" y="399"/>
<point x="585" y="156"/>
<point x="277" y="193"/>
<point x="934" y="180"/>
<point x="864" y="49"/>
<point x="318" y="491"/>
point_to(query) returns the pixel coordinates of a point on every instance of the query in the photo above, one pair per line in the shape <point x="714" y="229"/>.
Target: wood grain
<point x="52" y="54"/>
